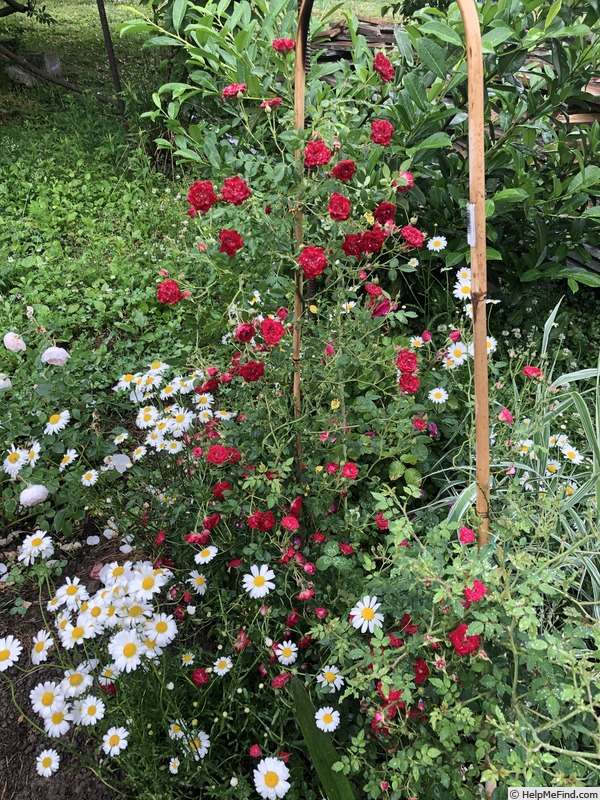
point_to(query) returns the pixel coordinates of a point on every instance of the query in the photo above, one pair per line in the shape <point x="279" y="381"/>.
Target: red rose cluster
<point x="357" y="244"/>
<point x="233" y="90"/>
<point x="384" y="67"/>
<point x="217" y="454"/>
<point x="313" y="261"/>
<point x="407" y="364"/>
<point x="381" y="132"/>
<point x="169" y="292"/>
<point x="262" y="521"/>
<point x="283" y="45"/>
<point x="316" y="154"/>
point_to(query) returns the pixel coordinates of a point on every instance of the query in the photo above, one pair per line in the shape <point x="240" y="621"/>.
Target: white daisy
<point x="348" y="306"/>
<point x="76" y="634"/>
<point x="259" y="582"/>
<point x="206" y="554"/>
<point x="147" y="417"/>
<point x="176" y="730"/>
<point x="68" y="458"/>
<point x="36" y="544"/>
<point x="126" y="382"/>
<point x="58" y="722"/>
<point x="116" y="574"/>
<point x="32" y="453"/>
<point x="75" y="682"/>
<point x="572" y="454"/>
<point x="222" y="665"/>
<point x="327" y="719"/>
<point x="154" y="439"/>
<point x="198" y="581"/>
<point x="187" y="659"/>
<point x="413" y="262"/>
<point x="364" y="615"/>
<point x="114" y="741"/>
<point x="255" y="298"/>
<point x="47" y="763"/>
<point x="121" y="437"/>
<point x="570" y="488"/>
<point x="46" y="698"/>
<point x="224" y="415"/>
<point x="449" y="363"/>
<point x="174" y="766"/>
<point x="138" y="453"/>
<point x="198" y="745"/>
<point x="462" y="290"/>
<point x="168" y="391"/>
<point x="558" y="440"/>
<point x="14" y="461"/>
<point x="126" y="649"/>
<point x="204" y="401"/>
<point x="181" y="420"/>
<point x="463" y="274"/>
<point x="57" y="422"/>
<point x="10" y="650"/>
<point x="468" y="310"/>
<point x="108" y="675"/>
<point x="205" y="416"/>
<point x="437" y="243"/>
<point x="157" y="368"/>
<point x="146" y="582"/>
<point x="416" y="341"/>
<point x="552" y="467"/>
<point x="91" y="710"/>
<point x="330" y="677"/>
<point x="162" y="628"/>
<point x="90" y="477"/>
<point x="458" y="353"/>
<point x="134" y="612"/>
<point x="72" y="593"/>
<point x="438" y="395"/>
<point x="271" y="779"/>
<point x="287" y="652"/>
<point x="171" y="446"/>
<point x="41" y="644"/>
<point x="185" y="385"/>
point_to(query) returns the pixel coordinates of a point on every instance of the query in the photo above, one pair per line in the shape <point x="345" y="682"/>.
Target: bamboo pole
<point x="304" y="13"/>
<point x="477" y="241"/>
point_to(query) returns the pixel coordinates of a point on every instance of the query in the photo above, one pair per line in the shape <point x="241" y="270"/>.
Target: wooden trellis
<point x="476" y="233"/>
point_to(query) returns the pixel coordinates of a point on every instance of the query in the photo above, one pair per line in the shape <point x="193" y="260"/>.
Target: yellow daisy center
<point x="162" y="627"/>
<point x="46" y="762"/>
<point x="117" y="572"/>
<point x="327" y="718"/>
<point x="259" y="580"/>
<point x="148" y="583"/>
<point x="368" y="613"/>
<point x="76" y="679"/>
<point x="77" y="632"/>
<point x="199" y="581"/>
<point x="4" y="655"/>
<point x="91" y="711"/>
<point x="72" y="589"/>
<point x="205" y="553"/>
<point x="47" y="698"/>
<point x="329" y="676"/>
<point x="179" y="417"/>
<point x="155" y="365"/>
<point x="37" y="541"/>
<point x="271" y="779"/>
<point x="57" y="717"/>
<point x="13" y="458"/>
<point x="39" y="646"/>
<point x="129" y="650"/>
<point x="222" y="664"/>
<point x="287" y="652"/>
<point x="175" y="729"/>
<point x="88" y="476"/>
<point x="135" y="611"/>
<point x="128" y="378"/>
<point x="54" y="419"/>
<point x="96" y="611"/>
<point x="114" y="740"/>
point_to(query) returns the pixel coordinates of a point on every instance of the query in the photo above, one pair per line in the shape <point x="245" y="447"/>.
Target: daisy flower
<point x="75" y="634"/>
<point x="462" y="290"/>
<point x="205" y="416"/>
<point x="10" y="650"/>
<point x="72" y="593"/>
<point x="68" y="458"/>
<point x="147" y="417"/>
<point x="91" y="710"/>
<point x="57" y="422"/>
<point x="14" y="462"/>
<point x="327" y="719"/>
<point x="168" y="391"/>
<point x="449" y="363"/>
<point x="157" y="368"/>
<point x="138" y="453"/>
<point x="364" y="615"/>
<point x="108" y="675"/>
<point x="271" y="779"/>
<point x="416" y="341"/>
<point x="468" y="310"/>
<point x="146" y="582"/>
<point x="154" y="439"/>
<point x="32" y="454"/>
<point x="224" y="415"/>
<point x="572" y="454"/>
<point x="36" y="544"/>
<point x="222" y="665"/>
<point x="330" y="677"/>
<point x="287" y="652"/>
<point x="176" y="730"/>
<point x="42" y="642"/>
<point x="458" y="353"/>
<point x="174" y="766"/>
<point x="125" y="382"/>
<point x="255" y="298"/>
<point x="45" y="697"/>
<point x="121" y="437"/>
<point x="413" y="262"/>
<point x="134" y="612"/>
<point x="116" y="574"/>
<point x="463" y="274"/>
<point x="162" y="628"/>
<point x="558" y="440"/>
<point x="206" y="554"/>
<point x="204" y="401"/>
<point x="259" y="582"/>
<point x="187" y="659"/>
<point x="126" y="650"/>
<point x="90" y="477"/>
<point x="570" y="488"/>
<point x="75" y="682"/>
<point x="58" y="722"/>
<point x="348" y="306"/>
<point x="198" y="745"/>
<point x="198" y="581"/>
<point x="171" y="446"/>
<point x="47" y="763"/>
<point x="185" y="385"/>
<point x="552" y="467"/>
<point x="437" y="243"/>
<point x="114" y="740"/>
<point x="438" y="395"/>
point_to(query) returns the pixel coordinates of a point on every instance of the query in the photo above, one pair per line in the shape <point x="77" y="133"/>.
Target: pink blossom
<point x="426" y="336"/>
<point x="506" y="416"/>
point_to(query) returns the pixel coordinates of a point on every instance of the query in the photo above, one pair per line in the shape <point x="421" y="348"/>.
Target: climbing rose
<point x="280" y="681"/>
<point x="465" y="535"/>
<point x="413" y="235"/>
<point x="421" y="671"/>
<point x="200" y="676"/>
<point x="313" y="261"/>
<point x="244" y="332"/>
<point x="475" y="593"/>
<point x="231" y="242"/>
<point x="384" y="67"/>
<point x="339" y="207"/>
<point x="382" y="522"/>
<point x="217" y="454"/>
<point x="202" y="196"/>
<point x="283" y="45"/>
<point x="169" y="292"/>
<point x="235" y="190"/>
<point x="464" y="644"/>
<point x="406" y="361"/>
<point x="316" y="154"/>
<point x="252" y="371"/>
<point x="419" y="423"/>
<point x="272" y="103"/>
<point x="385" y="212"/>
<point x="220" y="488"/>
<point x="506" y="416"/>
<point x="532" y="372"/>
<point x="233" y="90"/>
<point x="290" y="523"/>
<point x="353" y="245"/>
<point x="57" y="356"/>
<point x="409" y="384"/>
<point x="350" y="470"/>
<point x="272" y="331"/>
<point x="344" y="170"/>
<point x="410" y="182"/>
<point x="255" y="751"/>
<point x="372" y="241"/>
<point x="381" y="132"/>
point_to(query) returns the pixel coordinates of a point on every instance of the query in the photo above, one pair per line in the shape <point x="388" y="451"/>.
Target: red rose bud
<point x="384" y="67"/>
<point x="180" y="613"/>
<point x="532" y="372"/>
<point x="346" y="549"/>
<point x="506" y="416"/>
<point x="310" y="568"/>
<point x="426" y="336"/>
<point x="382" y="523"/>
<point x="319" y="538"/>
<point x="293" y="619"/>
<point x="160" y="537"/>
<point x="284" y="756"/>
<point x="197" y="452"/>
<point x="466" y="535"/>
<point x="244" y="332"/>
<point x="233" y="90"/>
<point x="211" y="522"/>
<point x="282" y="314"/>
<point x="407" y="182"/>
<point x="419" y="423"/>
<point x="280" y="681"/>
<point x="235" y="563"/>
<point x="305" y="594"/>
<point x="305" y="642"/>
<point x="321" y="612"/>
<point x="283" y="45"/>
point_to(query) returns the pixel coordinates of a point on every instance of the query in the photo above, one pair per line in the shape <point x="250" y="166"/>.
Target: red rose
<point x="344" y="170"/>
<point x="200" y="676"/>
<point x="282" y="314"/>
<point x="280" y="681"/>
<point x="407" y="626"/>
<point x="385" y="212"/>
<point x="350" y="470"/>
<point x="421" y="671"/>
<point x="305" y="594"/>
<point x="272" y="331"/>
<point x="272" y="103"/>
<point x="319" y="538"/>
<point x="474" y="594"/>
<point x="464" y="644"/>
<point x="252" y="371"/>
<point x="235" y="190"/>
<point x="242" y="640"/>
<point x="331" y="468"/>
<point x="404" y="187"/>
<point x="231" y="242"/>
<point x="169" y="292"/>
<point x="313" y="261"/>
<point x="383" y="66"/>
<point x="202" y="196"/>
<point x="211" y="522"/>
<point x="255" y="751"/>
<point x="339" y="207"/>
<point x="413" y="235"/>
<point x="373" y="290"/>
<point x="296" y="505"/>
<point x="409" y="384"/>
<point x="346" y="549"/>
<point x="290" y="523"/>
<point x="381" y="132"/>
<point x="465" y="535"/>
<point x="220" y="488"/>
<point x="406" y="361"/>
<point x="419" y="423"/>
<point x="353" y="245"/>
<point x="321" y="612"/>
<point x="530" y="372"/>
<point x="233" y="90"/>
<point x="316" y="154"/>
<point x="293" y="619"/>
<point x="217" y="454"/>
<point x="382" y="523"/>
<point x="244" y="332"/>
<point x="160" y="537"/>
<point x="382" y="309"/>
<point x="283" y="45"/>
<point x="372" y="241"/>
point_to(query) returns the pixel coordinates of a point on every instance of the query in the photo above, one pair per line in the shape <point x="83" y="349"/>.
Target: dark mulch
<point x="19" y="742"/>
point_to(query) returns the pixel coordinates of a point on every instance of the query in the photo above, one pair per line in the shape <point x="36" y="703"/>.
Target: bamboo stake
<point x="477" y="241"/>
<point x="304" y="12"/>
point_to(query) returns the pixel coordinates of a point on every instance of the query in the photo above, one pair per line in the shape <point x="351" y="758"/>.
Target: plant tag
<point x="471" y="224"/>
